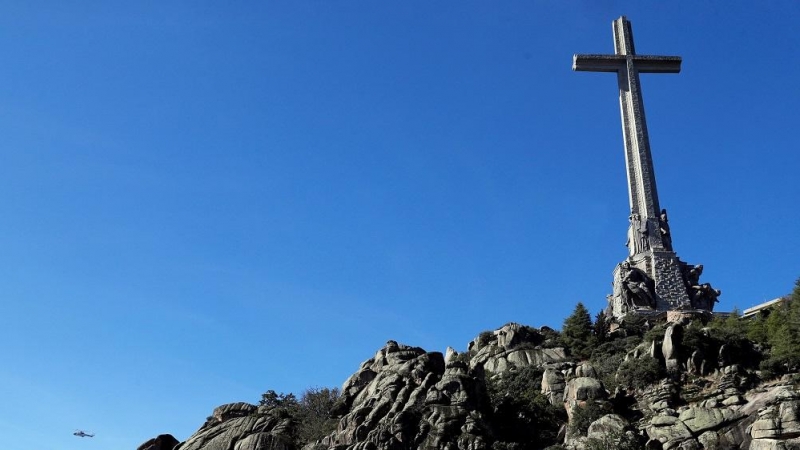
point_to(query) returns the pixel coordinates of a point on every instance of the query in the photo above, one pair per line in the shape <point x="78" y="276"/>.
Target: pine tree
<point x="577" y="332"/>
<point x="783" y="333"/>
<point x="601" y="327"/>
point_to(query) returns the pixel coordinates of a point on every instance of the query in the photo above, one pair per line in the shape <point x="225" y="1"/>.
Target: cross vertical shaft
<point x="642" y="192"/>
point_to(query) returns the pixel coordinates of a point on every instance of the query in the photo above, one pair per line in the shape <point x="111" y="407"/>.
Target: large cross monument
<point x="652" y="278"/>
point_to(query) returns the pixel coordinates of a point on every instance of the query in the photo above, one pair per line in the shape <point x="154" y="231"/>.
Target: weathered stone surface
<point x="581" y="391"/>
<point x="160" y="442"/>
<point x="669" y="430"/>
<point x="585" y="369"/>
<point x="232" y="410"/>
<point x="450" y="354"/>
<point x="243" y="433"/>
<point x="584" y="388"/>
<point x="734" y="400"/>
<point x="553" y="386"/>
<point x="512" y="345"/>
<point x="671" y="347"/>
<point x="699" y="419"/>
<point x="770" y="444"/>
<point x="655" y="350"/>
<point x="695" y="363"/>
<point x="779" y="421"/>
<point x="659" y="397"/>
<point x="413" y="401"/>
<point x="710" y="440"/>
<point x="610" y="424"/>
<point x="766" y="427"/>
<point x="503" y="360"/>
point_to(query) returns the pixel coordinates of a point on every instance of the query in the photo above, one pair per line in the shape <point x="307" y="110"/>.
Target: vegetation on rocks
<point x="521" y="414"/>
<point x="311" y="414"/>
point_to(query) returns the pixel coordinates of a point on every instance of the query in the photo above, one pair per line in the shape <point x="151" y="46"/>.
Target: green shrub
<point x="583" y="416"/>
<point x="311" y="414"/>
<point x="314" y="414"/>
<point x="607" y="357"/>
<point x="637" y="373"/>
<point x="522" y="417"/>
<point x="485" y="338"/>
<point x="633" y="325"/>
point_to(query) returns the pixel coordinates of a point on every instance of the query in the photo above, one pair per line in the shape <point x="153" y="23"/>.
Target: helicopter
<point x="81" y="433"/>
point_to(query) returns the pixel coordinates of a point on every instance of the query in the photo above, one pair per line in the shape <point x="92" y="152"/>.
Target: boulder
<point x="668" y="430"/>
<point x="412" y="399"/>
<point x="585" y="369"/>
<point x="608" y="425"/>
<point x="255" y="432"/>
<point x="450" y="354"/>
<point x="503" y="360"/>
<point x="553" y="386"/>
<point x="512" y="345"/>
<point x="671" y="347"/>
<point x="699" y="419"/>
<point x="695" y="363"/>
<point x="160" y="442"/>
<point x="659" y="397"/>
<point x="779" y="421"/>
<point x="655" y="350"/>
<point x="710" y="439"/>
<point x="580" y="391"/>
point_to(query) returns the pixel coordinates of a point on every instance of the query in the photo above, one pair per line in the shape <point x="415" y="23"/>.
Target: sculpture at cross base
<point x="650" y="246"/>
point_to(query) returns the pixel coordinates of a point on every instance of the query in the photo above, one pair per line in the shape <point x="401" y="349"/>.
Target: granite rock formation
<point x="406" y="398"/>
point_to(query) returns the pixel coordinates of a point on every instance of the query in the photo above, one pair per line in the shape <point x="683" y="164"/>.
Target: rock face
<point x="553" y="385"/>
<point x="255" y="431"/>
<point x="405" y="398"/>
<point x="160" y="442"/>
<point x="513" y="345"/>
<point x="671" y="347"/>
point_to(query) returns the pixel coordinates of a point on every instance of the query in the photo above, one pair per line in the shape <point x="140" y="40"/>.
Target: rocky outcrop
<point x="513" y="345"/>
<point x="670" y="431"/>
<point x="553" y="385"/>
<point x="777" y="422"/>
<point x="671" y="348"/>
<point x="160" y="442"/>
<point x="610" y="425"/>
<point x="405" y="398"/>
<point x="699" y="420"/>
<point x="256" y="431"/>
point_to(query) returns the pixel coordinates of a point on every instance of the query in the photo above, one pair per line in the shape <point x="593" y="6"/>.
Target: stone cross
<point x="652" y="278"/>
<point x="627" y="64"/>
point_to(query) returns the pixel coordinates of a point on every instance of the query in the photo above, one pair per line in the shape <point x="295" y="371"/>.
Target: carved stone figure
<point x="632" y="241"/>
<point x="704" y="296"/>
<point x="693" y="276"/>
<point x="644" y="235"/>
<point x="663" y="223"/>
<point x="638" y="290"/>
<point x="637" y="235"/>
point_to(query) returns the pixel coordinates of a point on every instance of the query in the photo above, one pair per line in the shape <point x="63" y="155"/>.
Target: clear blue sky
<point x="204" y="200"/>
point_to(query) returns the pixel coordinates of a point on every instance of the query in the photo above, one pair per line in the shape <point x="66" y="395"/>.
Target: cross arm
<point x="613" y="63"/>
<point x="657" y="64"/>
<point x="598" y="63"/>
